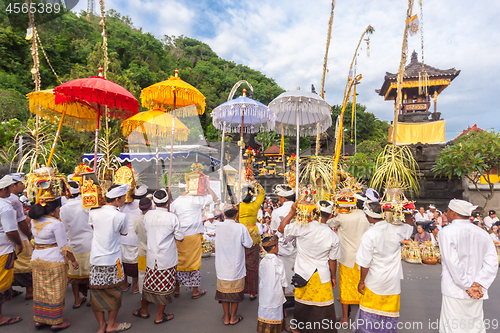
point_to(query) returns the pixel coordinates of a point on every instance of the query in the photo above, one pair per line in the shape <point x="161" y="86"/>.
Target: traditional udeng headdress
<point x="283" y="190"/>
<point x="270" y="241"/>
<point x="118" y="191"/>
<point x="461" y="207"/>
<point x="325" y="206"/>
<point x="160" y="201"/>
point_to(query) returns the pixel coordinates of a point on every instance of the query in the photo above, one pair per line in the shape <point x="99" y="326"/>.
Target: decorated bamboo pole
<point x="223" y="143"/>
<point x="241" y="144"/>
<point x="105" y="53"/>
<point x="52" y="150"/>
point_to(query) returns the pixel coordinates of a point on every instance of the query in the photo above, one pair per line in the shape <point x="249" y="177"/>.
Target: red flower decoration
<point x="293" y="155"/>
<point x="129" y="165"/>
<point x="314" y="192"/>
<point x="306" y="192"/>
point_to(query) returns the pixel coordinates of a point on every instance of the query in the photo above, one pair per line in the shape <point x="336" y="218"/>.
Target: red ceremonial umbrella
<point x="97" y="91"/>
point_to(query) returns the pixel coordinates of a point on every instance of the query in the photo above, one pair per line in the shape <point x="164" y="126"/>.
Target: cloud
<point x="286" y="40"/>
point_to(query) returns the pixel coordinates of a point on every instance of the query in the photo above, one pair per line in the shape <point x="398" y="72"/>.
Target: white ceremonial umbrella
<point x="302" y="114"/>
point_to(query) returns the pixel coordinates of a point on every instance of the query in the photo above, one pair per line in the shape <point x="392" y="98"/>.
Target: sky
<point x="286" y="40"/>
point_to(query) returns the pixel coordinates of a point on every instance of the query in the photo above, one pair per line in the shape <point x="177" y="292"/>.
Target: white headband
<point x="17" y="177"/>
<point x="209" y="216"/>
<point x="6" y="181"/>
<point x="182" y="185"/>
<point x="325" y="206"/>
<point x="73" y="190"/>
<point x="461" y="207"/>
<point x="279" y="191"/>
<point x="368" y="211"/>
<point x="432" y="207"/>
<point x="118" y="191"/>
<point x="160" y="201"/>
<point x="141" y="190"/>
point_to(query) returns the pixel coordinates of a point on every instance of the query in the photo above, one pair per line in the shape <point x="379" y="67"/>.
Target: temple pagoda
<point x="417" y="120"/>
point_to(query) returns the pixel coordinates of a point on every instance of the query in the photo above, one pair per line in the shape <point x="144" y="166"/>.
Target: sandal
<point x="12" y="320"/>
<point x="61" y="327"/>
<point x="177" y="295"/>
<point x="165" y="318"/>
<point x="223" y="320"/>
<point x="240" y="318"/>
<point x="84" y="299"/>
<point x="122" y="327"/>
<point x="202" y="293"/>
<point x="128" y="287"/>
<point x="137" y="313"/>
<point x="16" y="293"/>
<point x="253" y="298"/>
<point x="39" y="325"/>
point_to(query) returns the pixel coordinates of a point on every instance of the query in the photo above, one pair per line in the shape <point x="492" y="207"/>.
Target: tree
<point x="362" y="164"/>
<point x="472" y="156"/>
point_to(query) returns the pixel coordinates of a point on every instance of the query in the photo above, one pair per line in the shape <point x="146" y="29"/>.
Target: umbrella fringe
<point x="154" y="96"/>
<point x="73" y="122"/>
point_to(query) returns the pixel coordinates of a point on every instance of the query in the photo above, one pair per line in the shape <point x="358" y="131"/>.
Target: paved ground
<point x="420" y="303"/>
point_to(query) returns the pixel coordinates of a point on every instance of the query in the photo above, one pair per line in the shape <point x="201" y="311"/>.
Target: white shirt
<point x="434" y="240"/>
<point x="272" y="279"/>
<point x="52" y="233"/>
<point x="8" y="223"/>
<point x="140" y="231"/>
<point x="231" y="239"/>
<point x="430" y="215"/>
<point x="351" y="227"/>
<point x="494" y="237"/>
<point x="76" y="223"/>
<point x="286" y="245"/>
<point x="468" y="255"/>
<point x="380" y="251"/>
<point x="259" y="226"/>
<point x="132" y="211"/>
<point x="209" y="230"/>
<point x="316" y="244"/>
<point x="188" y="209"/>
<point x="420" y="218"/>
<point x="488" y="221"/>
<point x="108" y="224"/>
<point x="18" y="207"/>
<point x="162" y="229"/>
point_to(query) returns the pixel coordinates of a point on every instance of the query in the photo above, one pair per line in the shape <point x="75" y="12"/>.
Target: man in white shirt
<point x="106" y="269"/>
<point x="430" y="212"/>
<point x="145" y="206"/>
<point x="470" y="265"/>
<point x="80" y="234"/>
<point x="22" y="267"/>
<point x="130" y="243"/>
<point x="287" y="251"/>
<point x="379" y="257"/>
<point x="9" y="241"/>
<point x="315" y="270"/>
<point x="490" y="219"/>
<point x="188" y="209"/>
<point x="351" y="225"/>
<point x="421" y="215"/>
<point x="163" y="230"/>
<point x="231" y="239"/>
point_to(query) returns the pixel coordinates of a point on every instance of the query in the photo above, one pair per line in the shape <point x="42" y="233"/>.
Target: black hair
<point x="138" y="197"/>
<point x="248" y="197"/>
<point x="37" y="211"/>
<point x="74" y="184"/>
<point x="432" y="227"/>
<point x="109" y="200"/>
<point x="143" y="202"/>
<point x="325" y="215"/>
<point x="231" y="213"/>
<point x="491" y="212"/>
<point x="160" y="195"/>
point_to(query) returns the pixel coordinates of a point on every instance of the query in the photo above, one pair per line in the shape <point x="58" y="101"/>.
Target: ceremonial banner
<point x="411" y="133"/>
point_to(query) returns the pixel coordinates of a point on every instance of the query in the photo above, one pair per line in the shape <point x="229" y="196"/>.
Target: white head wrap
<point x="6" y="181"/>
<point x="370" y="195"/>
<point x="461" y="207"/>
<point x="70" y="177"/>
<point x="118" y="191"/>
<point x="368" y="211"/>
<point x="280" y="191"/>
<point x="209" y="216"/>
<point x="141" y="190"/>
<point x="17" y="177"/>
<point x="431" y="206"/>
<point x="73" y="190"/>
<point x="161" y="201"/>
<point x="23" y="198"/>
<point x="182" y="185"/>
<point x="325" y="206"/>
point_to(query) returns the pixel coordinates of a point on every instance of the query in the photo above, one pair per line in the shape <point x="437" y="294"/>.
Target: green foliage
<point x="472" y="156"/>
<point x="367" y="125"/>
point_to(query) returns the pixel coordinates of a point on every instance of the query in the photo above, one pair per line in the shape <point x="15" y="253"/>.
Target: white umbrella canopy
<point x="302" y="114"/>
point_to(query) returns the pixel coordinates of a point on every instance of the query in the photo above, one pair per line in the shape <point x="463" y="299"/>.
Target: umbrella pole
<point x="297" y="158"/>
<point x="241" y="155"/>
<point x="52" y="150"/>
<point x="96" y="145"/>
<point x="157" y="183"/>
<point x="222" y="160"/>
<point x="171" y="154"/>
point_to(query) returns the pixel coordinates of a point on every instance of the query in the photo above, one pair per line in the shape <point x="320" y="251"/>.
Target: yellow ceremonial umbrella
<point x="169" y="95"/>
<point x="77" y="115"/>
<point x="155" y="123"/>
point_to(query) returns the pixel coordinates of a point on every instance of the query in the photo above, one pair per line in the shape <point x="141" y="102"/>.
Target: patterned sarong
<point x="230" y="291"/>
<point x="348" y="284"/>
<point x="109" y="299"/>
<point x="50" y="280"/>
<point x="6" y="276"/>
<point x="106" y="287"/>
<point x="377" y="313"/>
<point x="22" y="264"/>
<point x="159" y="285"/>
<point x="270" y="320"/>
<point x="189" y="279"/>
<point x="252" y="265"/>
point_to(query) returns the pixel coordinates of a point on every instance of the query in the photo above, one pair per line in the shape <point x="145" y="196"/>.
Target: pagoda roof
<point x="469" y="129"/>
<point x="412" y="71"/>
<point x="274" y="150"/>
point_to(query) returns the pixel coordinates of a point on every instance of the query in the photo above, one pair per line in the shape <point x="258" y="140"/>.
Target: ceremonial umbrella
<point x="301" y="114"/>
<point x="97" y="91"/>
<point x="169" y="95"/>
<point x="243" y="115"/>
<point x="77" y="115"/>
<point x="155" y="123"/>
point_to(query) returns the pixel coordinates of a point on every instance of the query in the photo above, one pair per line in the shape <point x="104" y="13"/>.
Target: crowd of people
<point x="261" y="250"/>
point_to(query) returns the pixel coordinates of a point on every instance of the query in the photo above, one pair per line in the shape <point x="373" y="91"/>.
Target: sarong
<point x="22" y="267"/>
<point x="230" y="291"/>
<point x="189" y="279"/>
<point x="6" y="276"/>
<point x="252" y="266"/>
<point x="461" y="316"/>
<point x="313" y="304"/>
<point x="270" y="320"/>
<point x="80" y="275"/>
<point x="105" y="287"/>
<point x="348" y="284"/>
<point x="131" y="270"/>
<point x="189" y="253"/>
<point x="50" y="280"/>
<point x="159" y="285"/>
<point x="141" y="267"/>
<point x="377" y="313"/>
